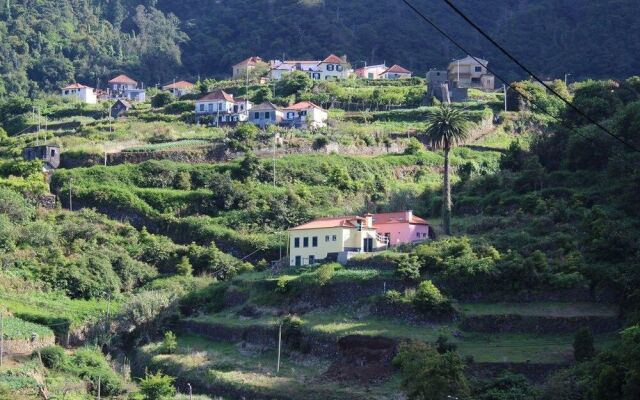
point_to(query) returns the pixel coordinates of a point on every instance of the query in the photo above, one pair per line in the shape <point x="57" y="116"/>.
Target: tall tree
<point x="447" y="127"/>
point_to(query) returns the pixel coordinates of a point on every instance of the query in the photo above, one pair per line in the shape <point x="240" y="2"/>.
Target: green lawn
<point x="502" y="347"/>
<point x="253" y="368"/>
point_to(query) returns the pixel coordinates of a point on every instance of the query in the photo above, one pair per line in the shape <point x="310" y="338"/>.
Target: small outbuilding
<point x="120" y="108"/>
<point x="49" y="154"/>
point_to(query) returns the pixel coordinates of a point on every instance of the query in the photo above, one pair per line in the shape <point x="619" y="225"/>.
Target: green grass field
<point x="16" y="328"/>
<point x="548" y="309"/>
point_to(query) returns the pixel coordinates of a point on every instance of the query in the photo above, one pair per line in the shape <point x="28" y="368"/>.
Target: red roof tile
<point x="249" y="61"/>
<point x="75" y="86"/>
<point x="123" y="79"/>
<point x="397" y="217"/>
<point x="396" y="69"/>
<point x="179" y="85"/>
<point x="218" y="95"/>
<point x="332" y="222"/>
<point x="267" y="105"/>
<point x="333" y="59"/>
<point x="303" y="105"/>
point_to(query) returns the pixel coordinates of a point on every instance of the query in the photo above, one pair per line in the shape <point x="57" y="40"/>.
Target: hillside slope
<point x="50" y="43"/>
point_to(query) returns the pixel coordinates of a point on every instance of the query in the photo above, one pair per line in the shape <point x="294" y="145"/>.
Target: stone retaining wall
<point x="26" y="346"/>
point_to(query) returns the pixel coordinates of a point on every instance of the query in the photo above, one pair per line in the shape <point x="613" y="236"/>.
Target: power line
<point x="532" y="74"/>
<point x="510" y="85"/>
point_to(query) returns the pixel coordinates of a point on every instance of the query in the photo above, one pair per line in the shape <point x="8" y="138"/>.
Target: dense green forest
<point x="46" y="43"/>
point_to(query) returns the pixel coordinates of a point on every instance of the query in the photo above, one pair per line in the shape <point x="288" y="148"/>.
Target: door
<point x="298" y="261"/>
<point x="368" y="245"/>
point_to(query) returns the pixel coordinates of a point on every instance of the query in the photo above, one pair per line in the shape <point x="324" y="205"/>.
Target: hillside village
<point x="316" y="228"/>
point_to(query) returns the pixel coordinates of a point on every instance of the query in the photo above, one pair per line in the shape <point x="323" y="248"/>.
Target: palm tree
<point x="447" y="127"/>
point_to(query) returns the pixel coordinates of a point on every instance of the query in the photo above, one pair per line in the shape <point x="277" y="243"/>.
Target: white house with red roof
<point x="80" y="92"/>
<point x="241" y="69"/>
<point x="333" y="238"/>
<point x="339" y="238"/>
<point x="305" y="115"/>
<point x="179" y="88"/>
<point x="371" y="71"/>
<point x="332" y="67"/>
<point x="222" y="108"/>
<point x="123" y="87"/>
<point x="397" y="72"/>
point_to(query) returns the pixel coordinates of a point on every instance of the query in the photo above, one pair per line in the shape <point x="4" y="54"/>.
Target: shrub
<point x="428" y="298"/>
<point x="184" y="268"/>
<point x="323" y="274"/>
<point x="291" y="326"/>
<point x="320" y="142"/>
<point x="393" y="297"/>
<point x="169" y="343"/>
<point x="161" y="99"/>
<point x="408" y="267"/>
<point x="414" y="147"/>
<point x="53" y="357"/>
<point x="443" y="345"/>
<point x="157" y="387"/>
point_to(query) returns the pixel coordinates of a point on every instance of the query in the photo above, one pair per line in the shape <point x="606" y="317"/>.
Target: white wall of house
<point x="396" y="75"/>
<point x="264" y="117"/>
<point x="310" y="118"/>
<point x="85" y="95"/>
<point x="334" y="71"/>
<point x="213" y="106"/>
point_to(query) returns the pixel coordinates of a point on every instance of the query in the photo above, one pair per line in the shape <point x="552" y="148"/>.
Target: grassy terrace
<point x="15" y="328"/>
<point x="547" y="309"/>
<point x="503" y="347"/>
<point x="208" y="364"/>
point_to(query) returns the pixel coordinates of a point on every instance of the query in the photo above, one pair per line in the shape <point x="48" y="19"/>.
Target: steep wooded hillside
<point x="45" y="43"/>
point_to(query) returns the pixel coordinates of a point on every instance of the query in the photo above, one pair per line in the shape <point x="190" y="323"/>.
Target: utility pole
<point x="99" y="388"/>
<point x="279" y="346"/>
<point x="565" y="79"/>
<point x="504" y="89"/>
<point x="70" y="201"/>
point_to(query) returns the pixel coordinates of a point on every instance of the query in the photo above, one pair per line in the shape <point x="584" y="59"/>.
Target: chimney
<point x="408" y="215"/>
<point x="344" y="58"/>
<point x="369" y="220"/>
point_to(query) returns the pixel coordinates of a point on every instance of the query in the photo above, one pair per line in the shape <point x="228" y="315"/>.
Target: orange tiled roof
<point x="267" y="105"/>
<point x="249" y="61"/>
<point x="218" y="95"/>
<point x="75" y="86"/>
<point x="303" y="105"/>
<point x="123" y="79"/>
<point x="397" y="217"/>
<point x="397" y="70"/>
<point x="331" y="222"/>
<point x="333" y="59"/>
<point x="179" y="85"/>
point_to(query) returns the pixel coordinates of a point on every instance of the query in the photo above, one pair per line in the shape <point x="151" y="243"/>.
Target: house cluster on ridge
<point x="339" y="238"/>
<point x="332" y="67"/>
<point x="222" y="108"/>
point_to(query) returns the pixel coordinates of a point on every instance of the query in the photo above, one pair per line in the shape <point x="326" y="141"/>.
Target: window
<point x="296" y="242"/>
<point x="219" y="106"/>
<point x="418" y="234"/>
<point x="210" y="107"/>
<point x="339" y="68"/>
<point x="478" y="69"/>
<point x="335" y="238"/>
<point x="314" y="241"/>
<point x="305" y="242"/>
<point x="256" y="115"/>
<point x="370" y="75"/>
<point x="327" y="238"/>
<point x="201" y="107"/>
<point x="267" y="115"/>
<point x="303" y="113"/>
<point x="330" y="67"/>
<point x="312" y="260"/>
<point x="53" y="153"/>
<point x="316" y="75"/>
<point x="290" y="115"/>
<point x="66" y="92"/>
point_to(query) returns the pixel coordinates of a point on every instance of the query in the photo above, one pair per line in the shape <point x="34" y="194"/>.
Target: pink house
<point x="401" y="227"/>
